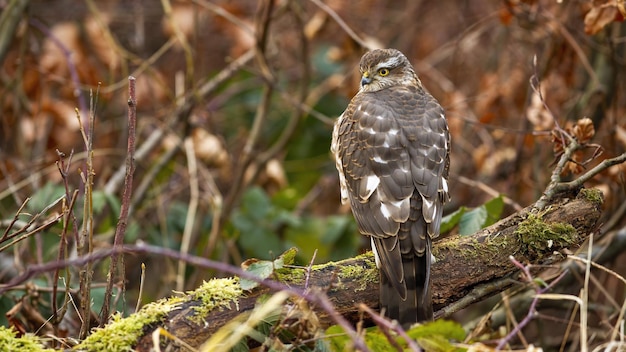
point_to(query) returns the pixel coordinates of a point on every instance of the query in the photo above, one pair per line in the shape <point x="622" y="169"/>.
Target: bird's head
<point x="382" y="68"/>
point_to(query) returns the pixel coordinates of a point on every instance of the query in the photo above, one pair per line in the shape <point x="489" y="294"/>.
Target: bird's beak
<point x="365" y="78"/>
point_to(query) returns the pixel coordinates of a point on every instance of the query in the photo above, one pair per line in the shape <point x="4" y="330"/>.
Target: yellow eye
<point x="383" y="71"/>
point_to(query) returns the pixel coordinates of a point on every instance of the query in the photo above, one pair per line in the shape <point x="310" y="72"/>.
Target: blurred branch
<point x="304" y="82"/>
<point x="220" y="11"/>
<point x="70" y="66"/>
<point x="490" y="191"/>
<point x="342" y="23"/>
<point x="182" y="40"/>
<point x="11" y="16"/>
<point x="192" y="165"/>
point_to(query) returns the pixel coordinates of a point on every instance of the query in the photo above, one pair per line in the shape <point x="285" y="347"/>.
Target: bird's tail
<point x="417" y="306"/>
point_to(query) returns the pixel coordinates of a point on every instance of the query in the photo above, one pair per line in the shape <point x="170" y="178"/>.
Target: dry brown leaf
<point x="557" y="142"/>
<point x="537" y="113"/>
<point x="209" y="148"/>
<point x="183" y="19"/>
<point x="583" y="131"/>
<point x="599" y="17"/>
<point x="315" y="24"/>
<point x="102" y="44"/>
<point x="151" y="90"/>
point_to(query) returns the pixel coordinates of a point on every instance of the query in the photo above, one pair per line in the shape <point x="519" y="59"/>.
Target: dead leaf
<point x="599" y="17"/>
<point x="583" y="131"/>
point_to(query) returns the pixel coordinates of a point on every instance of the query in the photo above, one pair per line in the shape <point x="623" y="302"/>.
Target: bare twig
<point x="120" y="229"/>
<point x="490" y="191"/>
<point x="5" y="235"/>
<point x="84" y="245"/>
<point x="68" y="218"/>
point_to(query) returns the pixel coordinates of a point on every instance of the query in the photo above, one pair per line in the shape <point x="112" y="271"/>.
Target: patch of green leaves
<point x="263" y="269"/>
<point x="470" y="220"/>
<point x="265" y="226"/>
<point x="436" y="336"/>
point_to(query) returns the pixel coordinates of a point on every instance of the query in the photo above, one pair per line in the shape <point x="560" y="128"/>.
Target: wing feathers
<point x="391" y="150"/>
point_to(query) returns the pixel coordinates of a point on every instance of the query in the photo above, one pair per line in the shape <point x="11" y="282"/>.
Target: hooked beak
<point x="365" y="78"/>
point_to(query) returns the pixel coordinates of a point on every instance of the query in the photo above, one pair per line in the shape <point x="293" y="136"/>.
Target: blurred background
<point x="236" y="101"/>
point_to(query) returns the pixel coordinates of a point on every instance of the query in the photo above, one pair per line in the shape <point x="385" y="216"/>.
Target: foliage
<point x="28" y="343"/>
<point x="437" y="336"/>
<point x="264" y="228"/>
<point x="474" y="219"/>
<point x="265" y="268"/>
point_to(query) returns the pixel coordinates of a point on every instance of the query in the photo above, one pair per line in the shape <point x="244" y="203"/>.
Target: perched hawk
<point x="391" y="149"/>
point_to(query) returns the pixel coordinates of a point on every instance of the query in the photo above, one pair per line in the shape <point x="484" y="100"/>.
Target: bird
<point x="391" y="147"/>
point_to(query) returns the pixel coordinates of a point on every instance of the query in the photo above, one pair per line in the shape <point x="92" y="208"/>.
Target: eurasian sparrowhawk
<point x="391" y="147"/>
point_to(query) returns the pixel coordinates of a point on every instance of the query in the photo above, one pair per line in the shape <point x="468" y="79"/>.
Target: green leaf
<point x="449" y="221"/>
<point x="481" y="217"/>
<point x="337" y="339"/>
<point x="288" y="257"/>
<point x="258" y="223"/>
<point x="438" y="335"/>
<point x="494" y="209"/>
<point x="450" y="330"/>
<point x="263" y="269"/>
<point x="472" y="221"/>
<point x="44" y="197"/>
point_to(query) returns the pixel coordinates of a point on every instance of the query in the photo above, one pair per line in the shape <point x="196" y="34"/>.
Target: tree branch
<point x="468" y="269"/>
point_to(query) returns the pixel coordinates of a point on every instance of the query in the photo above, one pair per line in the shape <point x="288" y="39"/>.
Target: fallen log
<point x="467" y="269"/>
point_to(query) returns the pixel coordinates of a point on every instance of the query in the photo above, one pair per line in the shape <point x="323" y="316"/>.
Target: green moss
<point x="120" y="334"/>
<point x="292" y="275"/>
<point x="366" y="274"/>
<point x="215" y="293"/>
<point x="593" y="195"/>
<point x="537" y="236"/>
<point x="26" y="343"/>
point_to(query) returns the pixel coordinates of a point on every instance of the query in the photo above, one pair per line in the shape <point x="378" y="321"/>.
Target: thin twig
<point x="84" y="244"/>
<point x="5" y="235"/>
<point x="120" y="229"/>
<point x="142" y="280"/>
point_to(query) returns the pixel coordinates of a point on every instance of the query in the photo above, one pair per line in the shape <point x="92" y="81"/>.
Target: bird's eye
<point x="383" y="71"/>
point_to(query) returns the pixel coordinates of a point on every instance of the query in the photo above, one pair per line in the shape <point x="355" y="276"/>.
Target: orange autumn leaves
<point x="582" y="131"/>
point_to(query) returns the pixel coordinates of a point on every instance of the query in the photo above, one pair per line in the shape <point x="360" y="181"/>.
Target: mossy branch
<point x="468" y="269"/>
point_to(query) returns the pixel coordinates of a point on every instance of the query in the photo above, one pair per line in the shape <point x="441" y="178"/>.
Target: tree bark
<point x="467" y="269"/>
